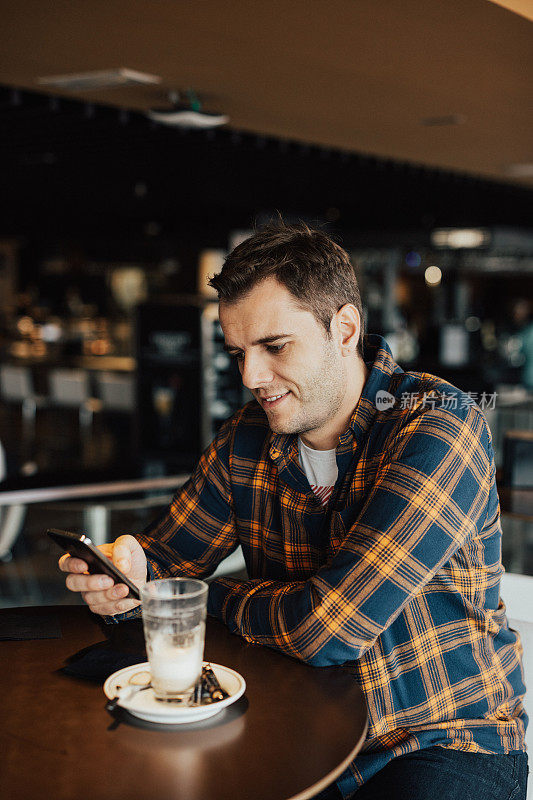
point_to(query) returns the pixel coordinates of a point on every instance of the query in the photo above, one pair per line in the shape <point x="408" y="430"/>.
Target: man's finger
<point x="70" y="564"/>
<point x="122" y="553"/>
<point x="110" y="609"/>
<point x="96" y="598"/>
<point x="88" y="583"/>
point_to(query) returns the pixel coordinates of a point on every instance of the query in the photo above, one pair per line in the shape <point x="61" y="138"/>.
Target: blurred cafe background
<point x="140" y="141"/>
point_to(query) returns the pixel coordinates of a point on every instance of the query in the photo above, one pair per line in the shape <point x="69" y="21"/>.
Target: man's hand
<point x="100" y="593"/>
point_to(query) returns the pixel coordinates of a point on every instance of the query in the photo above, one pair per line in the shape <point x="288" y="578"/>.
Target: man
<point x="365" y="502"/>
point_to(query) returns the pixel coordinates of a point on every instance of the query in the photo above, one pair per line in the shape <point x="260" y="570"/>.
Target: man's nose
<point x="255" y="371"/>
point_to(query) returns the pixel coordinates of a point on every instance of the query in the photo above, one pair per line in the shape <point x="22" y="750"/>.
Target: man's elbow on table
<point x="327" y="638"/>
<point x="331" y="645"/>
<point x="334" y="655"/>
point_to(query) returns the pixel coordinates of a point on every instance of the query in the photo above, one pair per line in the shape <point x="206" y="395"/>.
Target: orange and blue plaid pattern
<point x="397" y="578"/>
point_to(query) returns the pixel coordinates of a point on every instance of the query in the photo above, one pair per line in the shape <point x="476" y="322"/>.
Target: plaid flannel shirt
<point x="397" y="578"/>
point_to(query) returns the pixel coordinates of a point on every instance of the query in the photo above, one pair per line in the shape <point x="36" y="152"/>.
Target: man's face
<point x="294" y="370"/>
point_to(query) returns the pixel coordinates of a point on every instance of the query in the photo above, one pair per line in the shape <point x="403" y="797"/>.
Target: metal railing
<point x="95" y="514"/>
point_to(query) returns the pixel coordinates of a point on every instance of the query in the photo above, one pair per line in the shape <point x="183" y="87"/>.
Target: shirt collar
<point x="381" y="365"/>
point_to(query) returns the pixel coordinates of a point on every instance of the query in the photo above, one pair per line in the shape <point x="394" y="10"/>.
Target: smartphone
<point x="80" y="546"/>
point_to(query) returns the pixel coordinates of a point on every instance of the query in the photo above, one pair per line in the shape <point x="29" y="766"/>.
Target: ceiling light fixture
<point x="99" y="79"/>
<point x="186" y="113"/>
<point x="458" y="238"/>
<point x="433" y="276"/>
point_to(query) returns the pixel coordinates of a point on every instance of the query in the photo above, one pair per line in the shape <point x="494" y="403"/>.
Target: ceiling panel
<point x="359" y="76"/>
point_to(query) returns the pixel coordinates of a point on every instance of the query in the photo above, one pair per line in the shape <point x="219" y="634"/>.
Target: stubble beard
<point x="321" y="395"/>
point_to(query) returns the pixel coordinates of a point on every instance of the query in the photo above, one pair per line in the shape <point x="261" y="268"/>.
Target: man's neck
<point x="327" y="436"/>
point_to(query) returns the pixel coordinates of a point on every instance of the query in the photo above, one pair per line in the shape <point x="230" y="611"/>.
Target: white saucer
<point x="144" y="705"/>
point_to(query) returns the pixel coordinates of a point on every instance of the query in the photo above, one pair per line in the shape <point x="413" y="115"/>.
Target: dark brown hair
<point x="314" y="268"/>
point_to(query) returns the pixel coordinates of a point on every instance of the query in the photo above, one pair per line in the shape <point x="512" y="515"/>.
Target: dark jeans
<point x="442" y="773"/>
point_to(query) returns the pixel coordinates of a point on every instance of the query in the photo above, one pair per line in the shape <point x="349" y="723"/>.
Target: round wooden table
<point x="296" y="729"/>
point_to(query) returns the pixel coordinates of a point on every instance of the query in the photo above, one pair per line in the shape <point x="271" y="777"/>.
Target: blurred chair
<point x="11" y="522"/>
<point x="516" y="591"/>
<point x="11" y="517"/>
<point x="71" y="388"/>
<point x="16" y="386"/>
<point x="517" y="466"/>
<point x="116" y="391"/>
<point x="513" y="411"/>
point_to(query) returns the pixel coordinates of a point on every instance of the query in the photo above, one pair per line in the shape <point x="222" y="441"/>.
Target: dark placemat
<point x="99" y="661"/>
<point x="19" y="623"/>
<point x="123" y="648"/>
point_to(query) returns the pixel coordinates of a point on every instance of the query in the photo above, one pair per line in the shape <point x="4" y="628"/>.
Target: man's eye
<point x="275" y="348"/>
<point x="237" y="356"/>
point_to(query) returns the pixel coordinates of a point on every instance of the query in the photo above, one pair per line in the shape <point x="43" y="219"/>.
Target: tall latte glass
<point x="173" y="612"/>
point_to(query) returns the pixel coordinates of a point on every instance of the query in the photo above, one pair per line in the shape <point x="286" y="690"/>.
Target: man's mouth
<point x="272" y="400"/>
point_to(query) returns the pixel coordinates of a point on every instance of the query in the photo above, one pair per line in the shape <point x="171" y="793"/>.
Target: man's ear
<point x="347" y="325"/>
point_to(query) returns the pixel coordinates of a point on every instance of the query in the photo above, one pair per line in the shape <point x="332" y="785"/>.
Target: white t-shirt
<point x="320" y="467"/>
